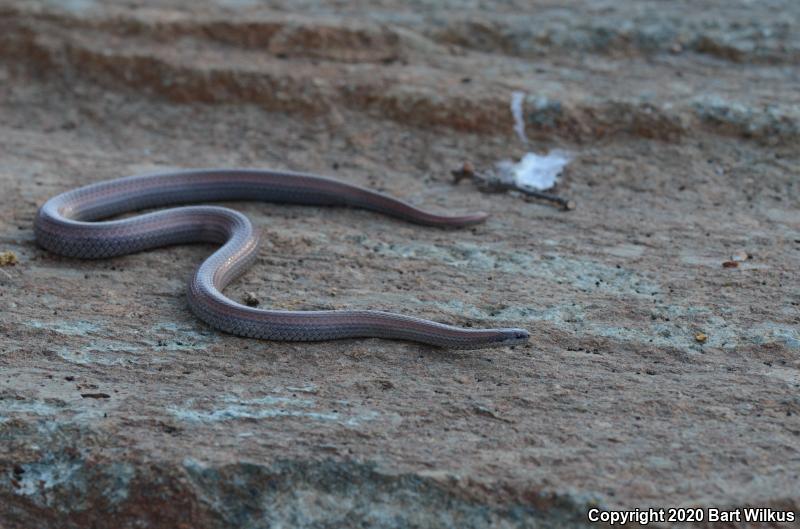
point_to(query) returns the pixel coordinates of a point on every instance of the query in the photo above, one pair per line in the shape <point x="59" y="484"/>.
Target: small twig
<point x="466" y="171"/>
<point x="489" y="184"/>
<point x="561" y="201"/>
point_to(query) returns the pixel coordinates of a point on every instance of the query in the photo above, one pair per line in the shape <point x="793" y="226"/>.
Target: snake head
<point x="513" y="337"/>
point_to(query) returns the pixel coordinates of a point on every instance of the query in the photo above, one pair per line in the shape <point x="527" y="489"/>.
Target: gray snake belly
<point x="70" y="224"/>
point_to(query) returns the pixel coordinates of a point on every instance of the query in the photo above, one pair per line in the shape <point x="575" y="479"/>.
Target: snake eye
<point x="515" y="336"/>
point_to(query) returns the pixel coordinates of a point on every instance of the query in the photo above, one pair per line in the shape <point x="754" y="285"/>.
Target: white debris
<point x="533" y="171"/>
<point x="517" y="98"/>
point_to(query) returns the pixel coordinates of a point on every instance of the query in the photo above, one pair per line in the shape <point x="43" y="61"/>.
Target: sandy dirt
<point x="657" y="375"/>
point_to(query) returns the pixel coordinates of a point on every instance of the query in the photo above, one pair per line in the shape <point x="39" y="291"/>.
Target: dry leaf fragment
<point x="8" y="258"/>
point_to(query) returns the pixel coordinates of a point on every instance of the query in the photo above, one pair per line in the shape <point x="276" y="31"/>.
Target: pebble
<point x="250" y="299"/>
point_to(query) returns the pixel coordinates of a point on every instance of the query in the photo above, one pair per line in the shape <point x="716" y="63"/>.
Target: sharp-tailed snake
<point x="70" y="224"/>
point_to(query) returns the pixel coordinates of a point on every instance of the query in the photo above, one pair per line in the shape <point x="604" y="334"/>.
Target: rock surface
<point x="664" y="364"/>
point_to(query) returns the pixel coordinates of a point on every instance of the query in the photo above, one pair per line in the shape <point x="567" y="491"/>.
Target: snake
<point x="78" y="223"/>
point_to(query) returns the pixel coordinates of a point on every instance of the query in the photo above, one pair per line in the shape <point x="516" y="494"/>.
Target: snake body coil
<point x="70" y="224"/>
